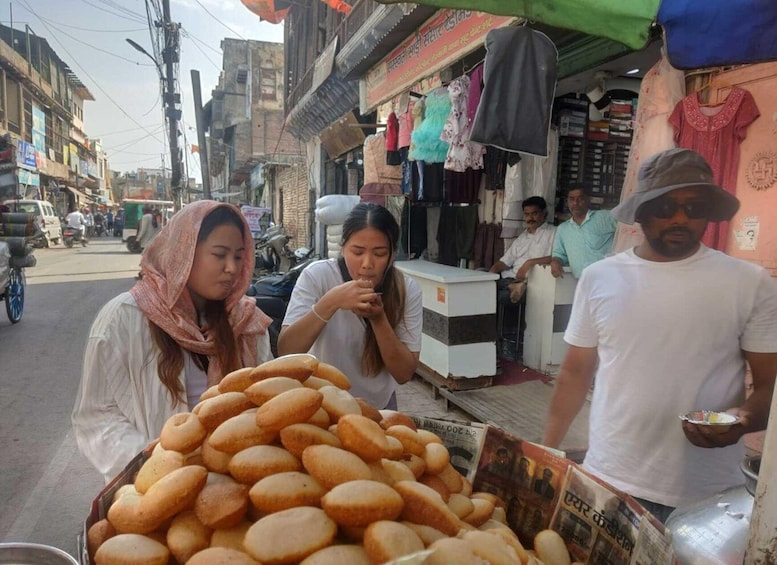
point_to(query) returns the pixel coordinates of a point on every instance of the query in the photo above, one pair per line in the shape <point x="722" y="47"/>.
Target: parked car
<point x="45" y="216"/>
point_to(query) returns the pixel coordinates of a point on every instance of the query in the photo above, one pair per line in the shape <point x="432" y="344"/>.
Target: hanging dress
<point x="715" y="133"/>
<point x="662" y="88"/>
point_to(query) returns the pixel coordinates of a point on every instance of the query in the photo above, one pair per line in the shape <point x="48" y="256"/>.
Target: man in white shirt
<point x="668" y="327"/>
<point x="75" y="219"/>
<point x="532" y="247"/>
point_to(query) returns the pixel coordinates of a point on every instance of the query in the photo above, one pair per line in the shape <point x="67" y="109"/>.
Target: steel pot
<point x="715" y="530"/>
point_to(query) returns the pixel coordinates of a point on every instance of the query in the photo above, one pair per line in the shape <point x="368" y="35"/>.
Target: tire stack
<point x="18" y="230"/>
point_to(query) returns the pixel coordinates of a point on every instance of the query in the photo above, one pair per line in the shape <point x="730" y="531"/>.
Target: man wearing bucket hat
<point x="666" y="328"/>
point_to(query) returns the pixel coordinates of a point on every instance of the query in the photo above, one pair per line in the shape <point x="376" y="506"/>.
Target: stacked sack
<point x="331" y="210"/>
<point x="17" y="231"/>
<point x="280" y="464"/>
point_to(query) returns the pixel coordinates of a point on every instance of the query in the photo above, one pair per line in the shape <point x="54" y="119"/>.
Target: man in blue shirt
<point x="584" y="238"/>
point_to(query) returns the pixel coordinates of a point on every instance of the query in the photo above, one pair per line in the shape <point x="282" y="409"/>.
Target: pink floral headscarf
<point x="162" y="296"/>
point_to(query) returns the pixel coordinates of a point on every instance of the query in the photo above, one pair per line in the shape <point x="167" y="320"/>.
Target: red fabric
<point x="716" y="133"/>
<point x="266" y="11"/>
<point x="392" y="133"/>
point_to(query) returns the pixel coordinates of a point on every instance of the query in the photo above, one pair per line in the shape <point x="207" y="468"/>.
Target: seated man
<point x="584" y="238"/>
<point x="531" y="248"/>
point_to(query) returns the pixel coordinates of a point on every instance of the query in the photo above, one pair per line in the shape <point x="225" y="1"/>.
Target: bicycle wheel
<point x="14" y="295"/>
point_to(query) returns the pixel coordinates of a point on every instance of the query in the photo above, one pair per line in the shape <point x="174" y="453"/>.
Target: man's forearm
<point x="568" y="398"/>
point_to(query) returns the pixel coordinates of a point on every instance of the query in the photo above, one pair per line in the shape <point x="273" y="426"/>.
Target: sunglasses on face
<point x="665" y="208"/>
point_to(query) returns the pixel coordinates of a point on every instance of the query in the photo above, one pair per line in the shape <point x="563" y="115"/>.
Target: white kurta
<point x="121" y="404"/>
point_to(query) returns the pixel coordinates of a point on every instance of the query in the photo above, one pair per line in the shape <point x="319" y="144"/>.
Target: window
<point x="14" y="112"/>
<point x="269" y="83"/>
<point x="27" y="105"/>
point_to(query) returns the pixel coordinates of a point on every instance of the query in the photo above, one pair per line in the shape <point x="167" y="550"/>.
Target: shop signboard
<point x="26" y="156"/>
<point x="442" y="40"/>
<point x="74" y="157"/>
<point x="28" y="178"/>
<point x="38" y="129"/>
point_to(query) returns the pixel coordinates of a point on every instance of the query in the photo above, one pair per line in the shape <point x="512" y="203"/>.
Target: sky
<point x="127" y="115"/>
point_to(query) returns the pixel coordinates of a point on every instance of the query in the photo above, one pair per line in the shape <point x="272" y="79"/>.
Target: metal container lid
<point x="33" y="554"/>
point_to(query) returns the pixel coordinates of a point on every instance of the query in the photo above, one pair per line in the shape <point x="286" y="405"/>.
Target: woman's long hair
<point x="171" y="361"/>
<point x="368" y="215"/>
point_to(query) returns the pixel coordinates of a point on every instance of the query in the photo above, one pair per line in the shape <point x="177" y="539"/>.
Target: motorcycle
<point x="273" y="254"/>
<point x="72" y="235"/>
<point x="273" y="292"/>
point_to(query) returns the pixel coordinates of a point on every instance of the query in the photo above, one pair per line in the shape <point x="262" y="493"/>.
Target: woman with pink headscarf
<point x="186" y="323"/>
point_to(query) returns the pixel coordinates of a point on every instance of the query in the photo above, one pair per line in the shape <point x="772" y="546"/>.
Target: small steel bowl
<point x="33" y="554"/>
<point x="722" y="421"/>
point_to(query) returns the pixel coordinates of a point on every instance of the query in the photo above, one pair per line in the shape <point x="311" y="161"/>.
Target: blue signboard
<point x="25" y="155"/>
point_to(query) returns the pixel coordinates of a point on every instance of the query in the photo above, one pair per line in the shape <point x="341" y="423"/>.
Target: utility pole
<point x="200" y="120"/>
<point x="171" y="56"/>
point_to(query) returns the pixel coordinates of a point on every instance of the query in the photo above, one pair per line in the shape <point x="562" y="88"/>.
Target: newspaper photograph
<point x="599" y="523"/>
<point x="653" y="545"/>
<point x="526" y="476"/>
<point x="463" y="440"/>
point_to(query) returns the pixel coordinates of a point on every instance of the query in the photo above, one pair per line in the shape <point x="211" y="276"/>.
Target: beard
<point x="673" y="248"/>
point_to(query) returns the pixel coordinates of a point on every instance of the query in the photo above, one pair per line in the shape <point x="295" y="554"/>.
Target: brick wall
<point x="292" y="183"/>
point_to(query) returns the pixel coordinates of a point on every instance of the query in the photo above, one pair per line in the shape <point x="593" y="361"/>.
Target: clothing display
<point x="488" y="245"/>
<point x="427" y="181"/>
<point x="392" y="140"/>
<point x="633" y="311"/>
<point x="462" y="153"/>
<point x="528" y="246"/>
<point x="475" y="92"/>
<point x="341" y="341"/>
<point x="580" y="245"/>
<point x="405" y="120"/>
<point x="715" y="132"/>
<point x="375" y="168"/>
<point x="532" y="176"/>
<point x="413" y="230"/>
<point x="418" y="111"/>
<point x="661" y="89"/>
<point x="519" y="82"/>
<point x="122" y="405"/>
<point x="462" y="187"/>
<point x="426" y="143"/>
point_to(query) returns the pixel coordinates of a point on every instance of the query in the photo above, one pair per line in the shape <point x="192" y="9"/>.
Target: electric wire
<point x="137" y="19"/>
<point x="63" y="32"/>
<point x="218" y="20"/>
<point x="203" y="52"/>
<point x="83" y="70"/>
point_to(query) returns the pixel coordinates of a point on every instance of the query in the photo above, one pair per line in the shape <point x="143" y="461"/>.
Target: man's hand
<point x="523" y="272"/>
<point x="556" y="269"/>
<point x="718" y="436"/>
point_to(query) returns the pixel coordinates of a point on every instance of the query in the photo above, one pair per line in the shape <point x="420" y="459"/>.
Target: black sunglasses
<point x="665" y="208"/>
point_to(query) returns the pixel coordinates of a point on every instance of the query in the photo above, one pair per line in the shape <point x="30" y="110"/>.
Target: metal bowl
<point x="710" y="418"/>
<point x="33" y="554"/>
<point x="750" y="467"/>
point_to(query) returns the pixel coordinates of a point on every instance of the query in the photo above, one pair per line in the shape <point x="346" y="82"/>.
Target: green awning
<point x="625" y="21"/>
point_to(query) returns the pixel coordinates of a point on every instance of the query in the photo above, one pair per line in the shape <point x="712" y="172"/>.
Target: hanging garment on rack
<point x="432" y="225"/>
<point x="426" y="143"/>
<point x="520" y="82"/>
<point x="495" y="163"/>
<point x="533" y="176"/>
<point x="375" y="168"/>
<point x="462" y="187"/>
<point x="475" y="92"/>
<point x="488" y="246"/>
<point x="378" y="192"/>
<point x="716" y="132"/>
<point x="427" y="183"/>
<point x="407" y="170"/>
<point x="413" y="228"/>
<point x="405" y="120"/>
<point x="462" y="153"/>
<point x="456" y="233"/>
<point x="394" y="205"/>
<point x="392" y="140"/>
<point x="662" y="88"/>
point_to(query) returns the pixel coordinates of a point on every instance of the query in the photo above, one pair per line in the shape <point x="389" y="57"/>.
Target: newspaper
<point x="526" y="476"/>
<point x="604" y="525"/>
<point x="464" y="441"/>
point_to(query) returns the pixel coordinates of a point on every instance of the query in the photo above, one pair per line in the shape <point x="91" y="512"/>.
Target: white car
<point x="45" y="215"/>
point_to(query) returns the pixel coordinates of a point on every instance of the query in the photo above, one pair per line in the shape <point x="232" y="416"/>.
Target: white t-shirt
<point x="669" y="338"/>
<point x="341" y="342"/>
<point x="76" y="220"/>
<point x="528" y="246"/>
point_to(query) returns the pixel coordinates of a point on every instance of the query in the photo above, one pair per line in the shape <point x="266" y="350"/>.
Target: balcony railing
<point x="360" y="11"/>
